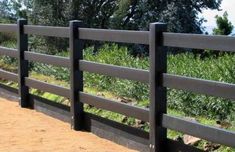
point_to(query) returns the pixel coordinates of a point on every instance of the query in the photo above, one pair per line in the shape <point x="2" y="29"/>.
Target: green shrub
<point x="7" y="37"/>
<point x="49" y="70"/>
<point x="221" y="68"/>
<point x="115" y="55"/>
<point x="7" y="59"/>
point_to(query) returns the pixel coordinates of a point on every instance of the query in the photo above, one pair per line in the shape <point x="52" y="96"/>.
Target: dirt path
<point x="24" y="130"/>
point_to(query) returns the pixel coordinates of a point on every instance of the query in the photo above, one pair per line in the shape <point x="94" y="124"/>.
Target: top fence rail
<point x="180" y="40"/>
<point x="199" y="41"/>
<point x="8" y="28"/>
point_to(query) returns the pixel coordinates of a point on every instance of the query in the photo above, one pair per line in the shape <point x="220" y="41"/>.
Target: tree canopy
<point x="224" y="26"/>
<point x="180" y="15"/>
<point x="10" y="10"/>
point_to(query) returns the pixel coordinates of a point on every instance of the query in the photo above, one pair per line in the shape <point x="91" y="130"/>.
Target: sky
<point x="209" y="15"/>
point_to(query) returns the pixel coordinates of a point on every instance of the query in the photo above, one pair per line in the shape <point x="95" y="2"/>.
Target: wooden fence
<point x="158" y="78"/>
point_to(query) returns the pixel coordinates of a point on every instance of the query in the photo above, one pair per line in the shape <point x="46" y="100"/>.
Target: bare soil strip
<point x="25" y="130"/>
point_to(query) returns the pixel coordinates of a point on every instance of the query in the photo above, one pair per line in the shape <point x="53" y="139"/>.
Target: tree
<point x="4" y="9"/>
<point x="224" y="26"/>
<point x="94" y="13"/>
<point x="12" y="9"/>
<point x="180" y="15"/>
<point x="49" y="13"/>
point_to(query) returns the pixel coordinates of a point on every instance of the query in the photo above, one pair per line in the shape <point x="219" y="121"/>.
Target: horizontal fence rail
<point x="8" y="75"/>
<point x="207" y="87"/>
<point x="107" y="104"/>
<point x="43" y="86"/>
<point x="198" y="41"/>
<point x="115" y="71"/>
<point x="52" y="31"/>
<point x="8" y="52"/>
<point x="124" y="36"/>
<point x="47" y="59"/>
<point x="8" y="28"/>
<point x="156" y="41"/>
<point x="213" y="134"/>
<point x="139" y="37"/>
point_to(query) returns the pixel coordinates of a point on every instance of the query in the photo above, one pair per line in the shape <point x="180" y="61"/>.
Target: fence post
<point x="76" y="76"/>
<point x="158" y="97"/>
<point x="22" y="45"/>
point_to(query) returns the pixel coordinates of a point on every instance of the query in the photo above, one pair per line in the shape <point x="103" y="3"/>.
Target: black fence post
<point x="158" y="97"/>
<point x="76" y="76"/>
<point x="22" y="45"/>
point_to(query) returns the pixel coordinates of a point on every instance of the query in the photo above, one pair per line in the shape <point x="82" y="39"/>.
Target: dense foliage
<point x="224" y="26"/>
<point x="124" y="14"/>
<point x="181" y="16"/>
<point x="212" y="68"/>
<point x="220" y="69"/>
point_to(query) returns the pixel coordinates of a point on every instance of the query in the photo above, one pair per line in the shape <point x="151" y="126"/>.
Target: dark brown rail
<point x="8" y="52"/>
<point x="139" y="37"/>
<point x="47" y="59"/>
<point x="8" y="28"/>
<point x="115" y="71"/>
<point x="125" y="109"/>
<point x="52" y="31"/>
<point x="198" y="41"/>
<point x="213" y="134"/>
<point x="8" y="75"/>
<point x="207" y="87"/>
<point x="43" y="86"/>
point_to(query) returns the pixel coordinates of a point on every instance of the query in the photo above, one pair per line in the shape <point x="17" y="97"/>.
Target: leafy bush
<point x="7" y="37"/>
<point x="221" y="68"/>
<point x="112" y="54"/>
<point x="50" y="70"/>
<point x="7" y="59"/>
<point x="187" y="64"/>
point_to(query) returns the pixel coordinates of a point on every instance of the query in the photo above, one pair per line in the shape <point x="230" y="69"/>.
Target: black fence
<point x="158" y="78"/>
